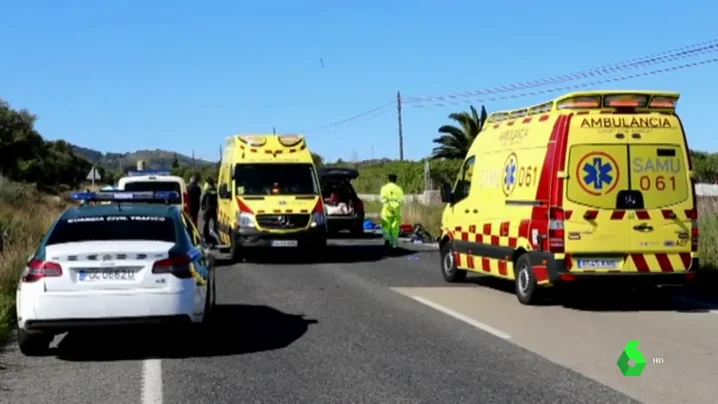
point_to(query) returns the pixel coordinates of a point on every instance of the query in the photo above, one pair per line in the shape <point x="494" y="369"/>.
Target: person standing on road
<point x="392" y="199"/>
<point x="209" y="206"/>
<point x="195" y="196"/>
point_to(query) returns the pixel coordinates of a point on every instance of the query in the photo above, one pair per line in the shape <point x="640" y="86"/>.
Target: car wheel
<point x="33" y="344"/>
<point x="527" y="289"/>
<point x="358" y="230"/>
<point x="448" y="264"/>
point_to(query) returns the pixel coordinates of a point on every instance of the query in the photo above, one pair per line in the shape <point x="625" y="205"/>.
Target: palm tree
<point x="455" y="141"/>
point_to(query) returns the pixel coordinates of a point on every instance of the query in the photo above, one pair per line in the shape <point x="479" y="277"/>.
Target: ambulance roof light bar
<point x="663" y="102"/>
<point x="253" y="140"/>
<point x="593" y="101"/>
<point x="290" y="140"/>
<point x="626" y="101"/>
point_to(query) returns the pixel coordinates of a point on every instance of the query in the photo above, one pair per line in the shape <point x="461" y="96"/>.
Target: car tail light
<point x="318" y="216"/>
<point x="360" y="205"/>
<point x="38" y="269"/>
<point x="695" y="232"/>
<point x="556" y="230"/>
<point x="177" y="266"/>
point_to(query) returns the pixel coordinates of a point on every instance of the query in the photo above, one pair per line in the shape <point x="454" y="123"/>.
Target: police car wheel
<point x="33" y="344"/>
<point x="527" y="290"/>
<point x="448" y="264"/>
<point x="209" y="300"/>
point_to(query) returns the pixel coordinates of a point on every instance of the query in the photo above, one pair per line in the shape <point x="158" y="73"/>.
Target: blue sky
<point x="126" y="75"/>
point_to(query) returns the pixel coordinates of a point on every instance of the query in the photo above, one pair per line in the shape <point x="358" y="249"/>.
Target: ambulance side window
<point x="463" y="184"/>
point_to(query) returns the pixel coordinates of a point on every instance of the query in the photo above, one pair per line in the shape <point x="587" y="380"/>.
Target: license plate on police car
<point x="284" y="243"/>
<point x="112" y="275"/>
<point x="598" y="263"/>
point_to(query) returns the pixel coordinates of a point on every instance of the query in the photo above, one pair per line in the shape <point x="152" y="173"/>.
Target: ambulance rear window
<point x="659" y="171"/>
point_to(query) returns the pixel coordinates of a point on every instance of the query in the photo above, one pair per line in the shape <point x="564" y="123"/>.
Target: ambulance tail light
<point x="245" y="216"/>
<point x="290" y="140"/>
<point x="556" y="230"/>
<point x="695" y="231"/>
<point x="319" y="217"/>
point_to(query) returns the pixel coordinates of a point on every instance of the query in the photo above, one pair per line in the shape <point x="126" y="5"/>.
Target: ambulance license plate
<point x="284" y="243"/>
<point x="598" y="264"/>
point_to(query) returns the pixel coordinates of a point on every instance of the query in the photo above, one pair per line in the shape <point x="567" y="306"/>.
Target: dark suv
<point x="344" y="209"/>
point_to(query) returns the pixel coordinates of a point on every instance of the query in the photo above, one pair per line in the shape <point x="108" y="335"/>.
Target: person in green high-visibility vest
<point x="392" y="199"/>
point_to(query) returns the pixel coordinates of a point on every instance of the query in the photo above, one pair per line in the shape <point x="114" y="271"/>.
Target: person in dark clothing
<point x="195" y="195"/>
<point x="209" y="206"/>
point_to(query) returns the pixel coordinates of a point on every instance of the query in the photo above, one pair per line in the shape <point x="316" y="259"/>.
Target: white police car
<point x="136" y="261"/>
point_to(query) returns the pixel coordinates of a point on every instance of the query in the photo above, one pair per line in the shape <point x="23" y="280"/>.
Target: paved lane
<point x="335" y="333"/>
<point x="587" y="334"/>
<point x="341" y="331"/>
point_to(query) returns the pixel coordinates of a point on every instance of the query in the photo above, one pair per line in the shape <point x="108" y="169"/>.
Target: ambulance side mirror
<point x="446" y="194"/>
<point x="224" y="192"/>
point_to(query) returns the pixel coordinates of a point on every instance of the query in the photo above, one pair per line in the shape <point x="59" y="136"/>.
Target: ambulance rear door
<point x="662" y="217"/>
<point x="597" y="173"/>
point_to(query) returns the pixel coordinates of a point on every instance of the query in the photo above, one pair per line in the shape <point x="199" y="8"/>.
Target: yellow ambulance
<point x="269" y="196"/>
<point x="591" y="188"/>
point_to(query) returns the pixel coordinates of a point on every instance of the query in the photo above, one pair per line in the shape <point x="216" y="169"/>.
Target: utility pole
<point x="193" y="162"/>
<point x="401" y="130"/>
<point x="274" y="130"/>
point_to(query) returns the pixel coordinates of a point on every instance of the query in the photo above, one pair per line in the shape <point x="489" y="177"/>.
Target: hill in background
<point x="154" y="159"/>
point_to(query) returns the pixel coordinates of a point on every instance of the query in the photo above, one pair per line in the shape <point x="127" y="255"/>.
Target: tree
<point x="455" y="141"/>
<point x="175" y="162"/>
<point x="318" y="160"/>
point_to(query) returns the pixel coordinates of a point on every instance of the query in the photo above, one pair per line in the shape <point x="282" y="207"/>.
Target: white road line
<point x="696" y="303"/>
<point x="466" y="319"/>
<point x="152" y="381"/>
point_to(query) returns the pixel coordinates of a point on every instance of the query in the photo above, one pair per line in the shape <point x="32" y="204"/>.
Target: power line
<point x="593" y="83"/>
<point x="635" y="64"/>
<point x="632" y="64"/>
<point x="352" y="120"/>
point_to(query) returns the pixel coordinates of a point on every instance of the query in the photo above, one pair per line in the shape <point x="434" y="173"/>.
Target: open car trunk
<point x="337" y="192"/>
<point x="338" y="199"/>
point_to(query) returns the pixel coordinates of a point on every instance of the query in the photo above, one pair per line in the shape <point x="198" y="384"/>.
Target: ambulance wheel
<point x="235" y="254"/>
<point x="527" y="289"/>
<point x="448" y="265"/>
<point x="33" y="344"/>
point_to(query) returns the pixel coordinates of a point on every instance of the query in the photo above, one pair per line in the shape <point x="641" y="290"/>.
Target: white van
<point x="156" y="180"/>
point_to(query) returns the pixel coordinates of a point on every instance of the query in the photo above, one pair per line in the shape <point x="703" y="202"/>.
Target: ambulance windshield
<point x="275" y="179"/>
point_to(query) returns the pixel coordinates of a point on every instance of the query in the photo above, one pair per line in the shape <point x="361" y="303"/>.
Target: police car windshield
<point x="275" y="179"/>
<point x="113" y="228"/>
<point x="143" y="186"/>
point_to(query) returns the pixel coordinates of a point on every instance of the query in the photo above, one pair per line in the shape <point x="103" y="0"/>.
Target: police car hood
<point x="267" y="204"/>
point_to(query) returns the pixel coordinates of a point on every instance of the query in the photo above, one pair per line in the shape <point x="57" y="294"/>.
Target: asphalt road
<point x="361" y="328"/>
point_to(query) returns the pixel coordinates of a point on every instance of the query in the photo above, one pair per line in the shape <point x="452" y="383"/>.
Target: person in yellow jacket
<point x="392" y="199"/>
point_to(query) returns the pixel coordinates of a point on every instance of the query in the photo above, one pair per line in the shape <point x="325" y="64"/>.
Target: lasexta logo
<point x="631" y="353"/>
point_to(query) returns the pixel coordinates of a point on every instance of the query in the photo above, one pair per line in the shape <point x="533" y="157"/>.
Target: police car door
<point x="201" y="264"/>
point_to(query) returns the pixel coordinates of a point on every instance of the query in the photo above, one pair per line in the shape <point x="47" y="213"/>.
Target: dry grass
<point x="430" y="217"/>
<point x="25" y="216"/>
